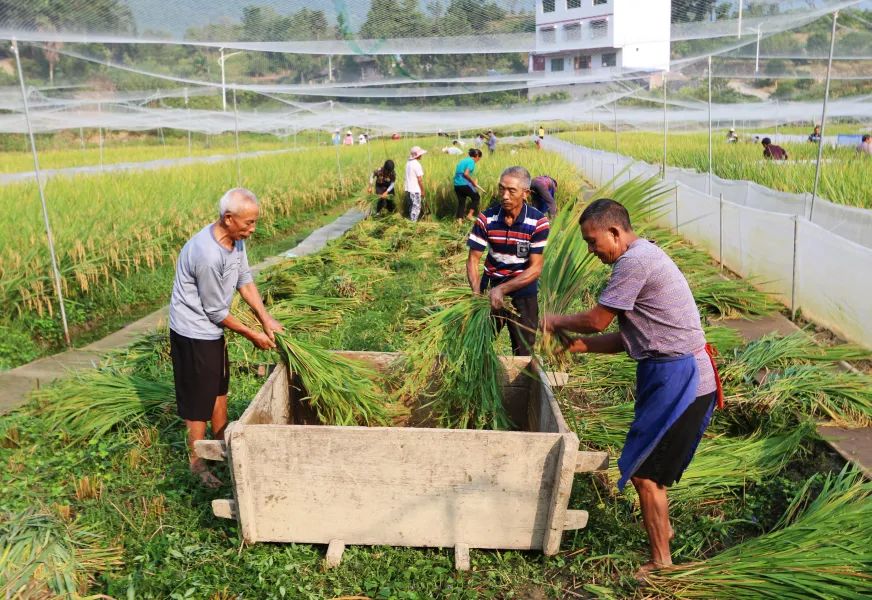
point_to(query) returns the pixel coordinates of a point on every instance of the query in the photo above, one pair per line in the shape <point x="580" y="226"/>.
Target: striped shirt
<point x="510" y="247"/>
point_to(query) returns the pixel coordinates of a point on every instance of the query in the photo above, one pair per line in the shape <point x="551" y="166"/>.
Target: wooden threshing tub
<point x="298" y="481"/>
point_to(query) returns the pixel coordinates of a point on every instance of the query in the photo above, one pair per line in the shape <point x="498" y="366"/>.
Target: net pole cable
<point x="709" y="190"/>
<point x="665" y="125"/>
<point x="817" y="169"/>
<point x="36" y="171"/>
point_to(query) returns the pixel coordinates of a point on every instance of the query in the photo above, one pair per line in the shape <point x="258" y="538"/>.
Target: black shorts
<point x="522" y="328"/>
<point x="667" y="461"/>
<point x="201" y="373"/>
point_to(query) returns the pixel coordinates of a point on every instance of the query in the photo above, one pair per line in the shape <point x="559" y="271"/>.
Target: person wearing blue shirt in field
<point x="466" y="186"/>
<point x="514" y="234"/>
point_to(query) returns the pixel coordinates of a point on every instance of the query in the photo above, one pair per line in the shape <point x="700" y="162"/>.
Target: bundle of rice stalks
<point x="569" y="270"/>
<point x="40" y="557"/>
<point x="773" y="351"/>
<point x="453" y="361"/>
<point x="813" y="390"/>
<point x="819" y="549"/>
<point x="724" y="465"/>
<point x="90" y="403"/>
<point x="342" y="391"/>
<point x="720" y="296"/>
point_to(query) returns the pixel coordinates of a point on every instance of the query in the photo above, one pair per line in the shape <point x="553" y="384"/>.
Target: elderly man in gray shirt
<point x="211" y="267"/>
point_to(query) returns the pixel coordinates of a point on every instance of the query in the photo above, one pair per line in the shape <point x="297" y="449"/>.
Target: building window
<point x="548" y="5"/>
<point x="548" y="36"/>
<point x="582" y="62"/>
<point x="597" y="2"/>
<point x="538" y="63"/>
<point x="574" y="3"/>
<point x="556" y="64"/>
<point x="572" y="32"/>
<point x="599" y="28"/>
<point x="610" y="59"/>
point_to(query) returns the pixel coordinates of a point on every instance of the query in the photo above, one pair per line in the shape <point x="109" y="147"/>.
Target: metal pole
<point x="721" y="231"/>
<point x="188" y="111"/>
<point x="223" y="83"/>
<point x="739" y="28"/>
<point x="338" y="164"/>
<point x="236" y="121"/>
<point x="676" y="209"/>
<point x="817" y="169"/>
<point x="100" y="136"/>
<point x="665" y="127"/>
<point x="615" y="108"/>
<point x="51" y="249"/>
<point x="710" y="123"/>
<point x="793" y="276"/>
<point x="82" y="136"/>
<point x="757" y="59"/>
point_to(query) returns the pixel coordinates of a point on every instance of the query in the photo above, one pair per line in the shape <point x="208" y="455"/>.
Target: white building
<point x="596" y="39"/>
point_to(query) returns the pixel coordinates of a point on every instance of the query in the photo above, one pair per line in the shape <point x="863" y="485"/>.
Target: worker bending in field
<point x="211" y="266"/>
<point x="676" y="381"/>
<point x="515" y="234"/>
<point x="542" y="191"/>
<point x="773" y="151"/>
<point x="466" y="186"/>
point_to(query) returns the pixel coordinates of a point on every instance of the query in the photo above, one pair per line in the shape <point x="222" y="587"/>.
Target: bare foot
<point x="648" y="567"/>
<point x="207" y="478"/>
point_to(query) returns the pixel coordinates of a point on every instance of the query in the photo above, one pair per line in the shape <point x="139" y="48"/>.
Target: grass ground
<point x="843" y="176"/>
<point x="130" y="487"/>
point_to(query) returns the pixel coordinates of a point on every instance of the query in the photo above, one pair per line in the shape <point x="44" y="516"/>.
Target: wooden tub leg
<point x="334" y="553"/>
<point x="461" y="557"/>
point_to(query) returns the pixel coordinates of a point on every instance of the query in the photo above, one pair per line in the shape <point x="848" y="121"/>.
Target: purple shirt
<point x="657" y="314"/>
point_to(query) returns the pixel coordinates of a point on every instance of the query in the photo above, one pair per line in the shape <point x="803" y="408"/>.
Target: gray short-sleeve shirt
<point x="207" y="275"/>
<point x="657" y="314"/>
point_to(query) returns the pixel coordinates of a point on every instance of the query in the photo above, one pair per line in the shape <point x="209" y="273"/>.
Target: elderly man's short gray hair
<point x="519" y="173"/>
<point x="233" y="201"/>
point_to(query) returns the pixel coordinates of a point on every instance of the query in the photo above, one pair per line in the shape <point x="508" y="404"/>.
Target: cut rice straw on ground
<point x="454" y="363"/>
<point x="820" y="549"/>
<point x="91" y="403"/>
<point x="40" y="557"/>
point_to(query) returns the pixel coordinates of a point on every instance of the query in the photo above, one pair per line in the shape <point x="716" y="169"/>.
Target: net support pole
<point x="188" y="113"/>
<point x="236" y="128"/>
<point x="223" y="81"/>
<point x="336" y="146"/>
<point x="709" y="191"/>
<point x="721" y="231"/>
<point x="36" y="171"/>
<point x="794" y="269"/>
<point x="665" y="126"/>
<point x="757" y="56"/>
<point x="82" y="137"/>
<point x="739" y="26"/>
<point x="817" y="169"/>
<point x="100" y="136"/>
<point x="615" y="110"/>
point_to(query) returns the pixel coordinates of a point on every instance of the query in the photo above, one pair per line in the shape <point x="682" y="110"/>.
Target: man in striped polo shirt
<point x="514" y="233"/>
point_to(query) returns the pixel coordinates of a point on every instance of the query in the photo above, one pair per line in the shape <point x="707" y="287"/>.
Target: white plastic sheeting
<point x="821" y="268"/>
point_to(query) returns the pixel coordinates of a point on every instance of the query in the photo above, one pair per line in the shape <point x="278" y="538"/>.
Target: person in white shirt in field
<point x="414" y="184"/>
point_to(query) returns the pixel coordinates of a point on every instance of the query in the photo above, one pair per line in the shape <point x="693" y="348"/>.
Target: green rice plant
<point x="89" y="404"/>
<point x="342" y="391"/>
<point x="454" y="363"/>
<point x="603" y="426"/>
<point x="724" y="339"/>
<point x="569" y="270"/>
<point x="842" y="177"/>
<point x="819" y="549"/>
<point x="814" y="390"/>
<point x="41" y="557"/>
<point x="773" y="351"/>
